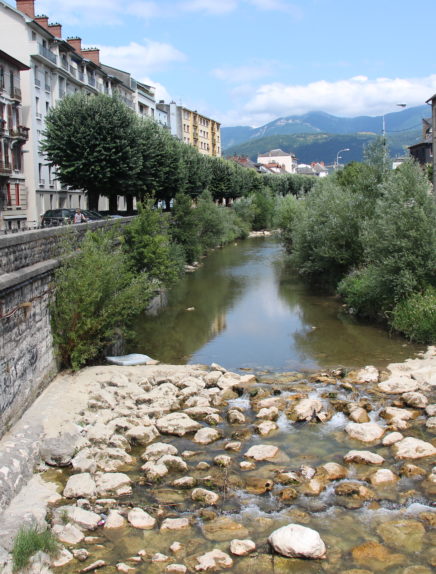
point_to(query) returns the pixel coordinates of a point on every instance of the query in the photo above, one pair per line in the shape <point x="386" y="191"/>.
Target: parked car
<point x="92" y="215"/>
<point x="54" y="217"/>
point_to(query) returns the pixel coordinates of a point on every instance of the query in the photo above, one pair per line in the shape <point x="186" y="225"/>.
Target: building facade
<point x="284" y="160"/>
<point x="13" y="136"/>
<point x="193" y="128"/>
<point x="57" y="67"/>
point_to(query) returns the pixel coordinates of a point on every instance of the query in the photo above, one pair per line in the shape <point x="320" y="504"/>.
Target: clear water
<point x="251" y="311"/>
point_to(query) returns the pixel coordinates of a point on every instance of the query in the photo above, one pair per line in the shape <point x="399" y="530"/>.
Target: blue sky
<point x="247" y="62"/>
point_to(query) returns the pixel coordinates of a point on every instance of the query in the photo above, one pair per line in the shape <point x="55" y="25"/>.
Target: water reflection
<point x="251" y="311"/>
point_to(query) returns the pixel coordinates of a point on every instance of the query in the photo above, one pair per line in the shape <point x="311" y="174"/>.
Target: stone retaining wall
<point x="27" y="361"/>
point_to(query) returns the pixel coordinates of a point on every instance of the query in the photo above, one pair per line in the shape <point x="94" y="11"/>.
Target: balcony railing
<point x="21" y="132"/>
<point x="38" y="116"/>
<point x="47" y="87"/>
<point x="5" y="168"/>
<point x="42" y="183"/>
<point x="43" y="51"/>
<point x="91" y="81"/>
<point x="73" y="72"/>
<point x="16" y="93"/>
<point x="81" y="76"/>
<point x="37" y="82"/>
<point x="64" y="65"/>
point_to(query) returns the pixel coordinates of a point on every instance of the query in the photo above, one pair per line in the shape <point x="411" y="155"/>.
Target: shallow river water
<point x="250" y="313"/>
<point x="248" y="309"/>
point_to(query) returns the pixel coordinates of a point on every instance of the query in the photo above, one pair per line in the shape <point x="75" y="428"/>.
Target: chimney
<point x="56" y="30"/>
<point x="92" y="54"/>
<point x="42" y="21"/>
<point x="76" y="43"/>
<point x="26" y="6"/>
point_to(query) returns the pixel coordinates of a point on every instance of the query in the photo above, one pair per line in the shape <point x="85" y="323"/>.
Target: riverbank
<point x="167" y="454"/>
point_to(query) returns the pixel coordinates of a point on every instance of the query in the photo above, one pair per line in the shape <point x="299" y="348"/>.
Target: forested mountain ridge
<point x="318" y="136"/>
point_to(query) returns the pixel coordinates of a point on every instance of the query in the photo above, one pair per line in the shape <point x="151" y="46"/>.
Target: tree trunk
<point x="129" y="204"/>
<point x="93" y="200"/>
<point x="113" y="204"/>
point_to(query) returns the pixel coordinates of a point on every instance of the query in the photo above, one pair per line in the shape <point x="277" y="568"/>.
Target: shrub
<point x="325" y="237"/>
<point x="362" y="291"/>
<point x="28" y="542"/>
<point x="148" y="246"/>
<point x="287" y="212"/>
<point x="184" y="227"/>
<point x="96" y="293"/>
<point x="415" y="317"/>
<point x="263" y="205"/>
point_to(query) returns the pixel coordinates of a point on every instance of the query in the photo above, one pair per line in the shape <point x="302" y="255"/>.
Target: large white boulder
<point x="213" y="560"/>
<point x="262" y="452"/>
<point x="296" y="541"/>
<point x="206" y="435"/>
<point x="365" y="432"/>
<point x="413" y="448"/>
<point x="363" y="457"/>
<point x="138" y="518"/>
<point x="177" y="424"/>
<point x="80" y="486"/>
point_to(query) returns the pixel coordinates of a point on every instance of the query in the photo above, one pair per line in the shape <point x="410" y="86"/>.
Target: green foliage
<point x="28" y="542"/>
<point x="415" y="317"/>
<point x="185" y="227"/>
<point x="96" y="295"/>
<point x="287" y="213"/>
<point x="400" y="239"/>
<point x="92" y="142"/>
<point x="325" y="235"/>
<point x="263" y="204"/>
<point x="209" y="220"/>
<point x="147" y="245"/>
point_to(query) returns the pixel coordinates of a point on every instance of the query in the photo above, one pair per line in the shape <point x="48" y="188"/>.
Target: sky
<point x="249" y="62"/>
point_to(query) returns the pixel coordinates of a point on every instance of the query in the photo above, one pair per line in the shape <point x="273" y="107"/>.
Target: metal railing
<point x="5" y="167"/>
<point x="43" y="51"/>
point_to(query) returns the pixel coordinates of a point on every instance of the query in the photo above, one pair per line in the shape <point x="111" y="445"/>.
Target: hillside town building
<point x="51" y="68"/>
<point x="281" y="160"/>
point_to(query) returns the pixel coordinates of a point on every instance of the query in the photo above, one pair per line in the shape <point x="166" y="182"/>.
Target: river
<point x="245" y="308"/>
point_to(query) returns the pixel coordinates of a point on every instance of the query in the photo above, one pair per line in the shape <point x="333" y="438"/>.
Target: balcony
<point x="73" y="71"/>
<point x="5" y="168"/>
<point x="21" y="133"/>
<point x="42" y="183"/>
<point x="47" y="54"/>
<point x="81" y="76"/>
<point x="16" y="93"/>
<point x="64" y="64"/>
<point x="91" y="81"/>
<point x="2" y="127"/>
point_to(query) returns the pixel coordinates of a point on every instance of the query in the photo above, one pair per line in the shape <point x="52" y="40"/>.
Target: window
<point x="8" y="195"/>
<point x="2" y="78"/>
<point x="17" y="194"/>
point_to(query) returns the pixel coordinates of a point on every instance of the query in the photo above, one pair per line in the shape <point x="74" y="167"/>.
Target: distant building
<point x="286" y="161"/>
<point x="193" y="128"/>
<point x="317" y="169"/>
<point x="423" y="151"/>
<point x="13" y="135"/>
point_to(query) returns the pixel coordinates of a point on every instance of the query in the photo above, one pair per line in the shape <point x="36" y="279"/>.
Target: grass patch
<point x="28" y="542"/>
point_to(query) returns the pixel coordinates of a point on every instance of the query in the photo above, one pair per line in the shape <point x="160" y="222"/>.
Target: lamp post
<point x="338" y="156"/>
<point x="383" y="119"/>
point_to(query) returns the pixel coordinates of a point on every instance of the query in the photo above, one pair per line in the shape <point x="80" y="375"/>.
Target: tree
<point x="91" y="142"/>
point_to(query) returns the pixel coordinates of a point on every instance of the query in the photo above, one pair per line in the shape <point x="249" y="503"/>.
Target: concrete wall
<point x="27" y="359"/>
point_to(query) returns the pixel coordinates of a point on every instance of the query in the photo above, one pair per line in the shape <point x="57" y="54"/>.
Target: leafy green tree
<point x="264" y="204"/>
<point x="148" y="246"/>
<point x="91" y="141"/>
<point x="96" y="295"/>
<point x="287" y="213"/>
<point x="185" y="227"/>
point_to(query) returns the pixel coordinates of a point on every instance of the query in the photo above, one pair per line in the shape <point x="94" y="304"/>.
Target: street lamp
<point x="338" y="156"/>
<point x="383" y="119"/>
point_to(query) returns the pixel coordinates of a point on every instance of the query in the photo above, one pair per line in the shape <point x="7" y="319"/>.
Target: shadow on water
<point x="250" y="310"/>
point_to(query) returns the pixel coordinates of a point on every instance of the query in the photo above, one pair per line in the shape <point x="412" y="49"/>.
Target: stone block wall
<point x="27" y="358"/>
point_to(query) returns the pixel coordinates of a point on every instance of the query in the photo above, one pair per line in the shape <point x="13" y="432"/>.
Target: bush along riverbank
<point x="162" y="468"/>
<point x="369" y="233"/>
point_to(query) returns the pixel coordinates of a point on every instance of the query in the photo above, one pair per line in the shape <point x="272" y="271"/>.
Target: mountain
<point x="295" y="133"/>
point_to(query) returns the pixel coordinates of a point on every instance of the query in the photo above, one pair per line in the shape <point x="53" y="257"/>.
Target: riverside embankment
<point x="176" y="468"/>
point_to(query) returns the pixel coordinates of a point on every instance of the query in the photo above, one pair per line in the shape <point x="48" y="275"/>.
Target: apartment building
<point x="58" y="67"/>
<point x="13" y="135"/>
<point x="193" y="128"/>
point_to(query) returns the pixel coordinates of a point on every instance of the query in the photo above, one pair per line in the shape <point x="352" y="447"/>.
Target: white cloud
<point x="350" y="97"/>
<point x="84" y="12"/>
<point x="141" y="59"/>
<point x="144" y="10"/>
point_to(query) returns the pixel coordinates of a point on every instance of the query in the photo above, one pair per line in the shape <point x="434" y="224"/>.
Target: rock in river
<point x="296" y="541"/>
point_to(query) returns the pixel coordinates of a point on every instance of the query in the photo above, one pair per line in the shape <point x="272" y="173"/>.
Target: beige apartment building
<point x="193" y="128"/>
